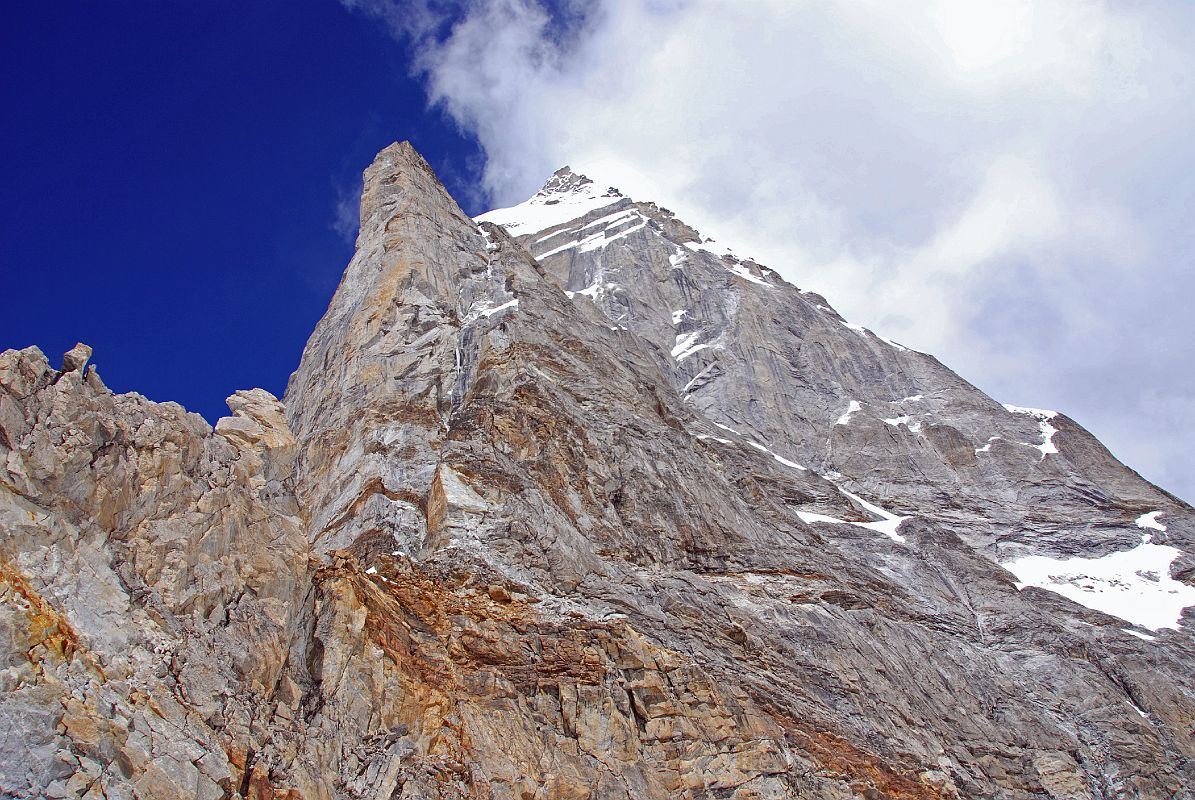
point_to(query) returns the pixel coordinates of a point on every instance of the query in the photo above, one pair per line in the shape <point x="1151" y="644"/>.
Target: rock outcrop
<point x="563" y="503"/>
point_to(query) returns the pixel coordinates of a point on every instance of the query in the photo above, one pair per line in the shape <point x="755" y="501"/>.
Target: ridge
<point x="586" y="511"/>
<point x="738" y="340"/>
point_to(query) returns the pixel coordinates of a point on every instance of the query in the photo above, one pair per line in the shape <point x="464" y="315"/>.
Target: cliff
<point x="567" y="502"/>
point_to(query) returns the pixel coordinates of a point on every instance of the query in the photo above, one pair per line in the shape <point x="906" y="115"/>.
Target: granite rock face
<point x="565" y="503"/>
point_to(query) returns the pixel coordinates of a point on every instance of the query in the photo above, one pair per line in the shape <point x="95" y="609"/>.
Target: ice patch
<point x="809" y="516"/>
<point x="1134" y="585"/>
<point x="887" y="526"/>
<point x="851" y="408"/>
<point x="600" y="240"/>
<point x="1043" y="418"/>
<point x="610" y="220"/>
<point x="905" y="420"/>
<point x="743" y="272"/>
<point x="987" y="447"/>
<point x="704" y="436"/>
<point x="762" y="449"/>
<point x="1150" y="521"/>
<point x="489" y="312"/>
<point x="788" y="463"/>
<point x="683" y="341"/>
<point x="685" y="346"/>
<point x="692" y="350"/>
<point x="490" y="245"/>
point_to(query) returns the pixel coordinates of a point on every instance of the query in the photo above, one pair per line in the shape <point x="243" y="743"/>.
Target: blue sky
<point x="1009" y="186"/>
<point x="172" y="176"/>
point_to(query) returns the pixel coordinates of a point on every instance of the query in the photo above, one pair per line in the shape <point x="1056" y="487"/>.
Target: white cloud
<point x="346" y="216"/>
<point x="1005" y="185"/>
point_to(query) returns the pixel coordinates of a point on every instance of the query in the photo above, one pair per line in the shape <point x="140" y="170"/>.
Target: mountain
<point x="569" y="502"/>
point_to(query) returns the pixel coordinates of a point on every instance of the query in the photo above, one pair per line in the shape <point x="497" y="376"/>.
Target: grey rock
<point x="519" y="529"/>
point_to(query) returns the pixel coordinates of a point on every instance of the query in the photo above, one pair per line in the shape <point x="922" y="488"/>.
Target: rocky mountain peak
<point x="565" y="503"/>
<point x="564" y="181"/>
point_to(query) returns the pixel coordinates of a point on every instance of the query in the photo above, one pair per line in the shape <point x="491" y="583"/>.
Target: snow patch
<point x="809" y="516"/>
<point x="851" y="408"/>
<point x="987" y="447"/>
<point x="489" y="312"/>
<point x="490" y="245"/>
<point x="686" y="346"/>
<point x="677" y="316"/>
<point x="905" y="420"/>
<point x="1134" y="585"/>
<point x="704" y="436"/>
<point x="683" y="341"/>
<point x="913" y="398"/>
<point x="743" y="272"/>
<point x="600" y="240"/>
<point x="551" y="207"/>
<point x="787" y="463"/>
<point x="762" y="449"/>
<point x="610" y="221"/>
<point x="1043" y="418"/>
<point x="887" y="525"/>
<point x="1150" y="522"/>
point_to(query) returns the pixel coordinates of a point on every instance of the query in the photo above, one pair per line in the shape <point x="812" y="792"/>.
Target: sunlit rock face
<point x="568" y="502"/>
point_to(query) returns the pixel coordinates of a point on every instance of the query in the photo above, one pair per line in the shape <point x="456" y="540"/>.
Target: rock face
<point x="566" y="503"/>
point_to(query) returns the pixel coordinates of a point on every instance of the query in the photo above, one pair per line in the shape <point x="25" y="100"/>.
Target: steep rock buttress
<point x="576" y="526"/>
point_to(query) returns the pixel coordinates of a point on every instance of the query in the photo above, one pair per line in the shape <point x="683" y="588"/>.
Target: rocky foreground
<point x="569" y="503"/>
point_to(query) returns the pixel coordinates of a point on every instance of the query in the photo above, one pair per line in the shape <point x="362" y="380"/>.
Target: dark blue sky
<point x="171" y="178"/>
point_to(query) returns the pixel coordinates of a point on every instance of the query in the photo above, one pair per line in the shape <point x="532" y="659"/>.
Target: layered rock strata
<point x="572" y="508"/>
